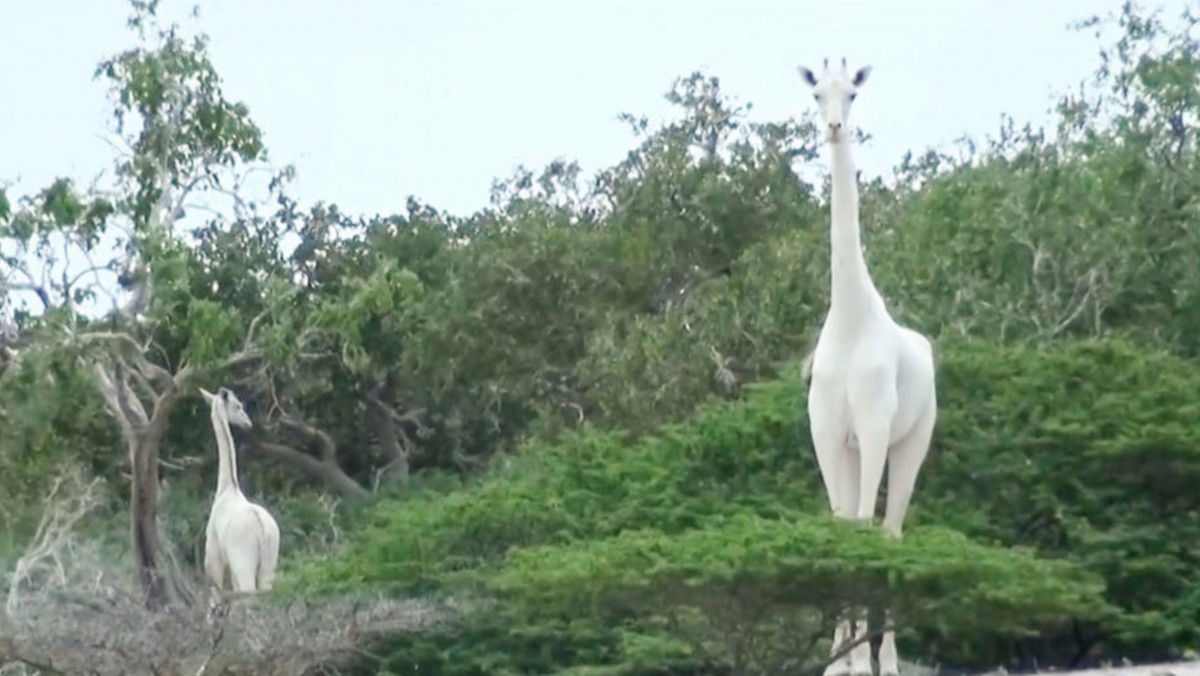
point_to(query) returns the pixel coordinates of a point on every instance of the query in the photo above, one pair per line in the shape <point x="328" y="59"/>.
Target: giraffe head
<point x="229" y="405"/>
<point x="834" y="92"/>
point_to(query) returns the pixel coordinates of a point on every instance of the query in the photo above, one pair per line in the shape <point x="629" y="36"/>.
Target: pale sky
<point x="374" y="101"/>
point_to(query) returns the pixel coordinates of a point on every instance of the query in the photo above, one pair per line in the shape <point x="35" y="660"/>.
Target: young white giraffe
<point x="872" y="398"/>
<point x="241" y="535"/>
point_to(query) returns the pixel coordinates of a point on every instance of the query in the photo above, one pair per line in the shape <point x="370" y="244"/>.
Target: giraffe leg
<point x="838" y="462"/>
<point x="214" y="563"/>
<point x="243" y="565"/>
<point x="244" y="578"/>
<point x="904" y="464"/>
<point x="889" y="660"/>
<point x="837" y="459"/>
<point x="860" y="655"/>
<point x="872" y="427"/>
<point x="840" y="666"/>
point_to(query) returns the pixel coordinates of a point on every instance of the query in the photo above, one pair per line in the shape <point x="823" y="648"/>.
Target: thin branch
<point x="65" y="506"/>
<point x="240" y="358"/>
<point x="246" y="347"/>
<point x="147" y="389"/>
<point x="66" y="284"/>
<point x="41" y="292"/>
<point x="113" y="337"/>
<point x="95" y="270"/>
<point x="240" y="208"/>
<point x="108" y="390"/>
<point x="1070" y="318"/>
<point x="136" y="416"/>
<point x="413" y="417"/>
<point x="151" y="372"/>
<point x="186" y="190"/>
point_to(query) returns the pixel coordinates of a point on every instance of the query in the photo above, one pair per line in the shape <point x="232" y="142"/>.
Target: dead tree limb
<point x="69" y="500"/>
<point x="321" y="466"/>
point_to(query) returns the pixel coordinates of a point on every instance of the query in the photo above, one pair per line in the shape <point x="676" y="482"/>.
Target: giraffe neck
<point x="227" y="467"/>
<point x="851" y="288"/>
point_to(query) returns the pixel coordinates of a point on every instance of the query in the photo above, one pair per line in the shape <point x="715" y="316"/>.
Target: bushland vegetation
<point x="565" y="434"/>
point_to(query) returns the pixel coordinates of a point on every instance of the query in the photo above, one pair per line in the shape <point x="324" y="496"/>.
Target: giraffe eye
<point x="853" y="95"/>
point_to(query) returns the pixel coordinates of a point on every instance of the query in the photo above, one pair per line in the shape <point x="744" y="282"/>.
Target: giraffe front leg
<point x="889" y="660"/>
<point x="860" y="655"/>
<point x="841" y="665"/>
<point x="856" y="661"/>
<point x="872" y="408"/>
<point x="904" y="463"/>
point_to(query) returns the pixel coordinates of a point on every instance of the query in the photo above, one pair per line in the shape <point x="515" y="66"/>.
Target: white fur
<point x="872" y="399"/>
<point x="241" y="535"/>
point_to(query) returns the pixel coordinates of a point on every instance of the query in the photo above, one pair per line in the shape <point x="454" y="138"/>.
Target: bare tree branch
<point x="141" y="381"/>
<point x="38" y="289"/>
<point x="326" y="447"/>
<point x="131" y="406"/>
<point x="69" y="500"/>
<point x="326" y="472"/>
<point x="128" y="417"/>
<point x="117" y="338"/>
<point x="247" y="346"/>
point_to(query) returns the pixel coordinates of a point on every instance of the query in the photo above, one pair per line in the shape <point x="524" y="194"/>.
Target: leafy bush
<point x="727" y="588"/>
<point x="1087" y="451"/>
<point x="1073" y="451"/>
<point x="729" y="458"/>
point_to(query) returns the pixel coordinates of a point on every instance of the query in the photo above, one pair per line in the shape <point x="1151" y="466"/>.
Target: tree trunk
<point x="380" y="418"/>
<point x="143" y="514"/>
<point x="142" y="434"/>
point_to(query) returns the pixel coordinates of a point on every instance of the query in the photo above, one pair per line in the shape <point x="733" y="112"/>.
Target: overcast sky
<point x="376" y="100"/>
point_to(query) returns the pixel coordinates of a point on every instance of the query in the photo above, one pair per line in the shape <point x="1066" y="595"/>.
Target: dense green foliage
<point x="1074" y="453"/>
<point x="1089" y="453"/>
<point x="577" y="408"/>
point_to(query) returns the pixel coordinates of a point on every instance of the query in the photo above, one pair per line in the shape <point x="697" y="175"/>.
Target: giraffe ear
<point x="807" y="75"/>
<point x="208" y="396"/>
<point x="861" y="76"/>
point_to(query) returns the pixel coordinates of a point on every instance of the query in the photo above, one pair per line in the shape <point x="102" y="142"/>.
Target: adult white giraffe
<point x="241" y="535"/>
<point x="872" y="399"/>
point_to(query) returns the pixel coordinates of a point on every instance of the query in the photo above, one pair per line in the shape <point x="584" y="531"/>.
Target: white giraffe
<point x="872" y="400"/>
<point x="241" y="535"/>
